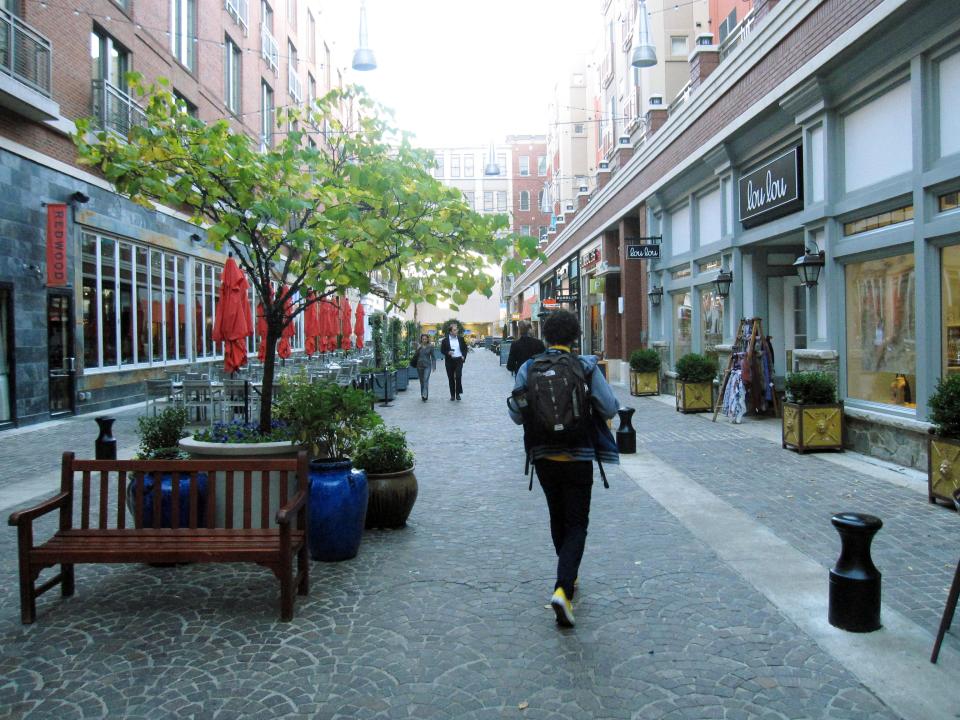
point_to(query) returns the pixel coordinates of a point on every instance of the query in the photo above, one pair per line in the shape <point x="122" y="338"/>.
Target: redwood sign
<point x="772" y="190"/>
<point x="56" y="245"/>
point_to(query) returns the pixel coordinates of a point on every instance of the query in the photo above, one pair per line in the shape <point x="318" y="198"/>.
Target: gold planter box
<point x="644" y="383"/>
<point x="943" y="468"/>
<point x="694" y="397"/>
<point x="813" y="427"/>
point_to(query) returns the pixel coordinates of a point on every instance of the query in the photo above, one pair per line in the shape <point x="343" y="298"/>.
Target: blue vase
<point x="166" y="500"/>
<point x="338" y="508"/>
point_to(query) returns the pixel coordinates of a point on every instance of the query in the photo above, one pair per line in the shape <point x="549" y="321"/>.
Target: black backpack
<point x="559" y="410"/>
<point x="556" y="406"/>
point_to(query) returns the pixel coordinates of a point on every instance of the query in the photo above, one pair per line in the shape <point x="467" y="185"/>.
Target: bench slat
<point x="103" y="513"/>
<point x="121" y="502"/>
<point x="228" y="505"/>
<point x="85" y="500"/>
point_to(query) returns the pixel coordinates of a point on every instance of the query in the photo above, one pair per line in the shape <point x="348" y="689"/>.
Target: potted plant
<point x="645" y="372"/>
<point x="330" y="420"/>
<point x="159" y="438"/>
<point x="943" y="448"/>
<point x="388" y="461"/>
<point x="812" y="417"/>
<point x="695" y="375"/>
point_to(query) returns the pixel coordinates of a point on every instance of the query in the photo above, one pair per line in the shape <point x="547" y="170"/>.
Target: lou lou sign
<point x="772" y="190"/>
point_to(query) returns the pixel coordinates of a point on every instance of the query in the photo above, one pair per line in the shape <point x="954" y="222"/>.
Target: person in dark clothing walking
<point x="566" y="472"/>
<point x="425" y="364"/>
<point x="454" y="351"/>
<point x="523" y="349"/>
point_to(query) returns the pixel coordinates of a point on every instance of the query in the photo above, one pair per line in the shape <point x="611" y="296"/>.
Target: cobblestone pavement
<point x="448" y="618"/>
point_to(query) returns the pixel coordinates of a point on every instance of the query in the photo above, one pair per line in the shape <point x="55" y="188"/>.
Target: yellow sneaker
<point x="562" y="608"/>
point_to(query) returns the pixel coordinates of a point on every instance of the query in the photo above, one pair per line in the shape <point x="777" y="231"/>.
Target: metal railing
<point x="269" y="49"/>
<point x="240" y="11"/>
<point x="114" y="110"/>
<point x="739" y="34"/>
<point x="25" y="54"/>
<point x="679" y="100"/>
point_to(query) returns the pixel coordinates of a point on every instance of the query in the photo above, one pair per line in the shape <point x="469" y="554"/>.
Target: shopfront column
<point x="633" y="285"/>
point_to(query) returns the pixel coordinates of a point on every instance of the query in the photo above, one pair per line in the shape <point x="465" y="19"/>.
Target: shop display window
<point x="950" y="308"/>
<point x="711" y="322"/>
<point x="881" y="335"/>
<point x="682" y="324"/>
<point x="950" y="201"/>
<point x="880" y="220"/>
<point x="135" y="303"/>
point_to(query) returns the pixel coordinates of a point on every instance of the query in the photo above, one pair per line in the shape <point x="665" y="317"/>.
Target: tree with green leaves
<point x="341" y="201"/>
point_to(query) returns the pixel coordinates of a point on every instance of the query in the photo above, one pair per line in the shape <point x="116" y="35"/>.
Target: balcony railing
<point x="25" y="54"/>
<point x="240" y="11"/>
<point x="294" y="86"/>
<point x="114" y="110"/>
<point x="269" y="49"/>
<point x="679" y="100"/>
<point x="740" y="34"/>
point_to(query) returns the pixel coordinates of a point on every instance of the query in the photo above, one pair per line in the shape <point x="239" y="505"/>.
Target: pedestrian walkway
<point x="702" y="593"/>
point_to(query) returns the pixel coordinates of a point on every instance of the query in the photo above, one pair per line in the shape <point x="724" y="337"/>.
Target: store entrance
<point x="61" y="360"/>
<point x="787" y="300"/>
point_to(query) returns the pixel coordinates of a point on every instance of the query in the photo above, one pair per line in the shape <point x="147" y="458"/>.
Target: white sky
<point x="464" y="71"/>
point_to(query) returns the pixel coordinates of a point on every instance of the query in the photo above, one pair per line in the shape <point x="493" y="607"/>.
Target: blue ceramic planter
<point x="338" y="508"/>
<point x="166" y="500"/>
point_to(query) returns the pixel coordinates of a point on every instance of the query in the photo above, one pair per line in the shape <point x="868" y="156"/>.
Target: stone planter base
<point x="644" y="383"/>
<point x="812" y="427"/>
<point x="943" y="470"/>
<point x="694" y="397"/>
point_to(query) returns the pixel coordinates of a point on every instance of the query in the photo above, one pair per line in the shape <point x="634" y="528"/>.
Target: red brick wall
<point x="144" y="33"/>
<point x="532" y="183"/>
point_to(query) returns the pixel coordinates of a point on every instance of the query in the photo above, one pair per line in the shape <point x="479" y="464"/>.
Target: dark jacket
<point x="522" y="350"/>
<point x="445" y="347"/>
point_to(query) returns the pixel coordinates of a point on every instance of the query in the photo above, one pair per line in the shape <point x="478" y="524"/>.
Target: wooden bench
<point x="239" y="528"/>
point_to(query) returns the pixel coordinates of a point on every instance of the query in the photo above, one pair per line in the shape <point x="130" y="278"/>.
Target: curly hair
<point x="560" y="328"/>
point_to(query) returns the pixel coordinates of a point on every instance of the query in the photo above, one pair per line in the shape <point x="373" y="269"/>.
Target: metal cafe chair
<point x="157" y="390"/>
<point x="234" y="400"/>
<point x="952" y="597"/>
<point x="199" y="395"/>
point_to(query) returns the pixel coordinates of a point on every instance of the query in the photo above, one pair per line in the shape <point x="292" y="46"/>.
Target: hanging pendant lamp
<point x="363" y="56"/>
<point x="492" y="168"/>
<point x="644" y="52"/>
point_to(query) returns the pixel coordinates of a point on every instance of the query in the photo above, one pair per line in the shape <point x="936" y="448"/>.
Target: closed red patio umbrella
<point x="345" y="328"/>
<point x="233" y="324"/>
<point x="329" y="326"/>
<point x="358" y="328"/>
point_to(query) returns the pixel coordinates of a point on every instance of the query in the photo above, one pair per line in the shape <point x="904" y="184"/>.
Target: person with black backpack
<point x="563" y="403"/>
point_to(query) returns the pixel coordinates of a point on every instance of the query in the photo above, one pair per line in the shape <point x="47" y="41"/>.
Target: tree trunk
<point x="269" y="366"/>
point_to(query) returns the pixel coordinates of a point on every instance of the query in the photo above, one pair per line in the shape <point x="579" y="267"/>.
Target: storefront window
<point x="206" y="299"/>
<point x="134" y="302"/>
<point x="711" y="322"/>
<point x="682" y="325"/>
<point x="950" y="309"/>
<point x="881" y="321"/>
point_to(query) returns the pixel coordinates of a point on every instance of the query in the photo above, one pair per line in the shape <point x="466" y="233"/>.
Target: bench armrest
<point x="286" y="513"/>
<point x="28" y="515"/>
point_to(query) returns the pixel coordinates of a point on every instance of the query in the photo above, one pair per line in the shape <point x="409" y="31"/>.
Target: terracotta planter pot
<point x="943" y="468"/>
<point x="644" y="383"/>
<point x="392" y="496"/>
<point x="694" y="397"/>
<point x="812" y="427"/>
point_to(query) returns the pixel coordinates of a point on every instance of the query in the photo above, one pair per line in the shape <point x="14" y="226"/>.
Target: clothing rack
<point x="751" y="349"/>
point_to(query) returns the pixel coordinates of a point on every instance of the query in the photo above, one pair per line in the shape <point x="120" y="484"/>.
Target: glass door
<point x="60" y="353"/>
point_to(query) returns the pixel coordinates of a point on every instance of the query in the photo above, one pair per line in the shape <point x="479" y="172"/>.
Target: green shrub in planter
<point x="695" y="368"/>
<point x="643" y="361"/>
<point x="160" y="434"/>
<point x="945" y="407"/>
<point x="383" y="451"/>
<point x="812" y="388"/>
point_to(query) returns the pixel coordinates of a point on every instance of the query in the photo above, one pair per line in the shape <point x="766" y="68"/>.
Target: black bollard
<point x="626" y="435"/>
<point x="105" y="446"/>
<point x="855" y="581"/>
